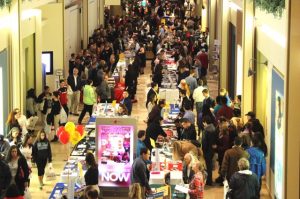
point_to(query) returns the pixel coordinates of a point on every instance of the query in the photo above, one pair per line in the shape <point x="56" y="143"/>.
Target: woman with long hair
<point x="14" y="136"/>
<point x="196" y="186"/>
<point x="26" y="150"/>
<point x="41" y="153"/>
<point x="12" y="120"/>
<point x="91" y="175"/>
<point x="18" y="168"/>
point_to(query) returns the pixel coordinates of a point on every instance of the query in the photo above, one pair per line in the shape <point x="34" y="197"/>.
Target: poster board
<point x="112" y="2"/>
<point x="277" y="132"/>
<point x="115" y="139"/>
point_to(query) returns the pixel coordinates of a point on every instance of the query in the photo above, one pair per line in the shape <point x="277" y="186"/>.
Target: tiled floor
<point x="60" y="151"/>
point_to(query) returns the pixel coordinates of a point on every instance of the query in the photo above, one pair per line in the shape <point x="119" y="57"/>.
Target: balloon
<point x="75" y="137"/>
<point x="80" y="129"/>
<point x="70" y="127"/>
<point x="64" y="137"/>
<point x="60" y="130"/>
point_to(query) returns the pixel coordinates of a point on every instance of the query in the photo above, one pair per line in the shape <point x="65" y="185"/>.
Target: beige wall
<point x="52" y="31"/>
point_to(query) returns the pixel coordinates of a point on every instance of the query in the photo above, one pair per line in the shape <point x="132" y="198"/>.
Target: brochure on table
<point x="115" y="138"/>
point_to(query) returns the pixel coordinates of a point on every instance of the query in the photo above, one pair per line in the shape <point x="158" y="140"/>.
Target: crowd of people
<point x="208" y="123"/>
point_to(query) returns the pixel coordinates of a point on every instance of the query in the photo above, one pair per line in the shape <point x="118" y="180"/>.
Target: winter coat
<point x="257" y="161"/>
<point x="244" y="184"/>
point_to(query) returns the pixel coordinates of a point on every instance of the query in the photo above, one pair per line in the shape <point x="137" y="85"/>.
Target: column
<point x="198" y="8"/>
<point x="85" y="22"/>
<point x="101" y="12"/>
<point x="292" y="101"/>
<point x="212" y="26"/>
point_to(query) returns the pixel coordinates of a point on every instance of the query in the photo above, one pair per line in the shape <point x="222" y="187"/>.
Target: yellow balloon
<point x="75" y="137"/>
<point x="70" y="127"/>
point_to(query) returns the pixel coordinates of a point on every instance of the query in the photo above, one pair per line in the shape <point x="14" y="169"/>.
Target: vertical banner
<point x="277" y="132"/>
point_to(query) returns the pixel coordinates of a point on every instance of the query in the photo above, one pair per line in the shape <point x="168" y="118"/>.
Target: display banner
<point x="277" y="132"/>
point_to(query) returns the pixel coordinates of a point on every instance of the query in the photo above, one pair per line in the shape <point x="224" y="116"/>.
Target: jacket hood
<point x="245" y="172"/>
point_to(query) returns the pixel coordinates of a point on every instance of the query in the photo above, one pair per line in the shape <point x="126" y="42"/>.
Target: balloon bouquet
<point x="70" y="133"/>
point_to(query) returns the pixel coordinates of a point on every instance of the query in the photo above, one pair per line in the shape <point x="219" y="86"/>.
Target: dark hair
<point x="144" y="151"/>
<point x="89" y="81"/>
<point x="207" y="119"/>
<point x="223" y="100"/>
<point x="8" y="157"/>
<point x="153" y="84"/>
<point x="26" y="138"/>
<point x="56" y="93"/>
<point x="205" y="90"/>
<point x="200" y="82"/>
<point x="218" y="99"/>
<point x="46" y="87"/>
<point x="182" y="91"/>
<point x="31" y="93"/>
<point x="188" y="106"/>
<point x="141" y="133"/>
<point x="238" y="141"/>
<point x="184" y="120"/>
<point x="91" y="192"/>
<point x="259" y="142"/>
<point x="12" y="191"/>
<point x="239" y="97"/>
<point x="161" y="102"/>
<point x="90" y="160"/>
<point x="61" y="81"/>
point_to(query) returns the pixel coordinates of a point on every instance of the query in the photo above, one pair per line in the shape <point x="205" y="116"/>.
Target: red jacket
<point x="203" y="57"/>
<point x="63" y="96"/>
<point x="226" y="112"/>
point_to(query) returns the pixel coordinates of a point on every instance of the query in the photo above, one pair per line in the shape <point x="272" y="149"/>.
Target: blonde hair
<point x="243" y="164"/>
<point x="223" y="92"/>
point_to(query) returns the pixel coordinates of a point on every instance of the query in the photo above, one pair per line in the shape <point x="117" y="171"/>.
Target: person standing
<point x="103" y="91"/>
<point x="92" y="173"/>
<point x="127" y="101"/>
<point x="89" y="100"/>
<point x="63" y="95"/>
<point x="207" y="99"/>
<point x="244" y="183"/>
<point x="41" y="153"/>
<point x="138" y="172"/>
<point x="75" y="82"/>
<point x="152" y="91"/>
<point x="188" y="130"/>
<point x="44" y="100"/>
<point x="231" y="158"/>
<point x="5" y="176"/>
<point x="196" y="186"/>
<point x="198" y="97"/>
<point x="187" y="172"/>
<point x="224" y="111"/>
<point x="18" y="168"/>
<point x="140" y="142"/>
<point x="55" y="111"/>
<point x="257" y="159"/>
<point x="209" y="146"/>
<point x="26" y="150"/>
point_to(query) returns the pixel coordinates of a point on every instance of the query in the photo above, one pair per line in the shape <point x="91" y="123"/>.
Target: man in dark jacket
<point x="152" y="91"/>
<point x="153" y="131"/>
<point x="209" y="140"/>
<point x="188" y="130"/>
<point x="139" y="171"/>
<point x="231" y="158"/>
<point x="256" y="125"/>
<point x="156" y="111"/>
<point x="244" y="183"/>
<point x="127" y="102"/>
<point x="5" y="176"/>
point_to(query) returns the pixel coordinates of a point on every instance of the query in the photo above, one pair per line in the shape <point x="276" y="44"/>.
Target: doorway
<point x="4" y="90"/>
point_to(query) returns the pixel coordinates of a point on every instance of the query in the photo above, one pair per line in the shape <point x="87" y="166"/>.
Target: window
<point x="47" y="62"/>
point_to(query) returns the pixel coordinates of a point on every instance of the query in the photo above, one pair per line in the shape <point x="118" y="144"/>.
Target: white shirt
<point x="198" y="95"/>
<point x="75" y="80"/>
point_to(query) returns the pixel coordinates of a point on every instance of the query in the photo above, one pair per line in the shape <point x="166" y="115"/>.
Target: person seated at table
<point x="188" y="130"/>
<point x="196" y="186"/>
<point x="140" y="142"/>
<point x="153" y="131"/>
<point x="127" y="102"/>
<point x="122" y="110"/>
<point x="91" y="175"/>
<point x="187" y="172"/>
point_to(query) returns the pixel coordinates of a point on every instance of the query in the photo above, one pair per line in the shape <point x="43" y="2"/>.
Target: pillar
<point x="101" y="12"/>
<point x="292" y="141"/>
<point x="224" y="43"/>
<point x="85" y="23"/>
<point x="198" y="8"/>
<point x="212" y="26"/>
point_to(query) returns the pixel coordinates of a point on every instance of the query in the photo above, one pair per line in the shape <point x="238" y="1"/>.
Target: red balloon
<point x="80" y="129"/>
<point x="60" y="130"/>
<point x="64" y="137"/>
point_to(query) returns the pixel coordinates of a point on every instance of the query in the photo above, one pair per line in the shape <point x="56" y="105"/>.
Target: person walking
<point x="63" y="95"/>
<point x="74" y="81"/>
<point x="18" y="168"/>
<point x="138" y="172"/>
<point x="89" y="100"/>
<point x="41" y="154"/>
<point x="244" y="183"/>
<point x="26" y="150"/>
<point x="5" y="176"/>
